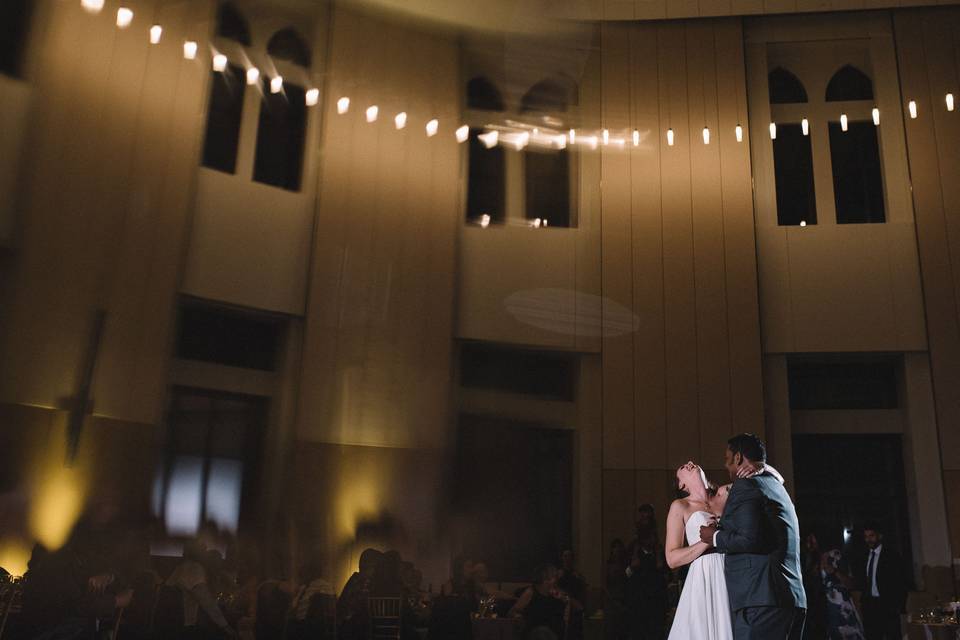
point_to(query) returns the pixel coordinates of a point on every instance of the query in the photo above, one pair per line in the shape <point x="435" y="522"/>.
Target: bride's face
<point x="689" y="475"/>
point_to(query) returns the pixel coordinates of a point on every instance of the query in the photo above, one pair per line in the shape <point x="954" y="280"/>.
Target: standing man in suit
<point x="884" y="593"/>
<point x="760" y="536"/>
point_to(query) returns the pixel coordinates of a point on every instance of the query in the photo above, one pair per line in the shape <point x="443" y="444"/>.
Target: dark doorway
<point x="514" y="494"/>
<point x="844" y="481"/>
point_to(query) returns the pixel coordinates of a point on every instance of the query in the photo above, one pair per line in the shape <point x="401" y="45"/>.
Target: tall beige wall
<point x="103" y="205"/>
<point x="678" y="249"/>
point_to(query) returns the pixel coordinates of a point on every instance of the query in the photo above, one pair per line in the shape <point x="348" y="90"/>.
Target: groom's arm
<point x="741" y="526"/>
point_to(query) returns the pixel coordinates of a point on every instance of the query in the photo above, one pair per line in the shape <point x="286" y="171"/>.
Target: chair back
<point x="11" y="598"/>
<point x="385" y="618"/>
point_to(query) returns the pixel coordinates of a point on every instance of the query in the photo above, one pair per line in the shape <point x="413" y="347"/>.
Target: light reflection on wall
<point x="14" y="555"/>
<point x="58" y="492"/>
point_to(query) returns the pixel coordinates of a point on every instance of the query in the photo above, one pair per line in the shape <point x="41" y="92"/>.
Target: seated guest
<point x="352" y="606"/>
<point x="312" y="584"/>
<point x="386" y="581"/>
<point x="196" y="577"/>
<point x="570" y="582"/>
<point x="543" y="608"/>
<point x="462" y="573"/>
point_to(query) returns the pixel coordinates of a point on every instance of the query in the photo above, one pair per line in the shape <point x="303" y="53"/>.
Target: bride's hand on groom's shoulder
<point x="750" y="469"/>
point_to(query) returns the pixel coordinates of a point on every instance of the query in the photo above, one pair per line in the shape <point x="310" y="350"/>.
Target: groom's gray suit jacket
<point x="760" y="536"/>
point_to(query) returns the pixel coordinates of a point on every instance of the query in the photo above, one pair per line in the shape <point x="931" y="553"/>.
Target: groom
<point x="760" y="536"/>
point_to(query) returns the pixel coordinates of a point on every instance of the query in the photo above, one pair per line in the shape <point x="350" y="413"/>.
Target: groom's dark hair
<point x="749" y="446"/>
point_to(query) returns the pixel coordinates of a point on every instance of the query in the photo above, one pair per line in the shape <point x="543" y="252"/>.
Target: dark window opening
<point x="857" y="175"/>
<point x="486" y="181"/>
<point x="287" y="44"/>
<point x="211" y="467"/>
<point x="547" y="180"/>
<point x="14" y="27"/>
<point x="228" y="336"/>
<point x="232" y="25"/>
<point x="849" y="83"/>
<point x="280" y="138"/>
<point x="547" y="96"/>
<point x="785" y="88"/>
<point x="224" y="114"/>
<point x="793" y="168"/>
<point x="843" y="385"/>
<point x="550" y="375"/>
<point x="483" y="96"/>
<point x="526" y="521"/>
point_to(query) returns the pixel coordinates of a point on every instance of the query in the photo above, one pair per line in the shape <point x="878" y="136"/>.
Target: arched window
<point x="281" y="133"/>
<point x="232" y="25"/>
<point x="552" y="95"/>
<point x="793" y="171"/>
<point x="857" y="173"/>
<point x="849" y="83"/>
<point x="785" y="88"/>
<point x="224" y="112"/>
<point x="14" y="25"/>
<point x="287" y="44"/>
<point x="483" y="96"/>
<point x="486" y="181"/>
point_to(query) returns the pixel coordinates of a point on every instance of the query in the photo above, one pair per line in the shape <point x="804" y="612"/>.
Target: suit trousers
<point x="768" y="623"/>
<point x="881" y="620"/>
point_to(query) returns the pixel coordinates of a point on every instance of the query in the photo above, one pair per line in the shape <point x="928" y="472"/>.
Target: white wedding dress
<point x="703" y="612"/>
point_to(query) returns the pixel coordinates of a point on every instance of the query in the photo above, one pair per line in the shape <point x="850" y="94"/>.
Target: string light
<point x="312" y="97"/>
<point x="190" y="50"/>
<point x="670" y="137"/>
<point x="489" y="139"/>
<point x="843" y="121"/>
<point x="949" y="99"/>
<point x="805" y="126"/>
<point x="372" y="112"/>
<point x="706" y="135"/>
<point x="220" y="62"/>
<point x="400" y="120"/>
<point x="561" y="141"/>
<point x="523" y="140"/>
<point x="343" y="105"/>
<point x="463" y="133"/>
<point x="156" y="32"/>
<point x="636" y="138"/>
<point x="432" y="128"/>
<point x="92" y="6"/>
<point x="876" y="116"/>
<point x="485" y="221"/>
<point x="253" y="75"/>
<point x="592" y="141"/>
<point x="124" y="17"/>
<point x="912" y="106"/>
<point x="276" y="84"/>
<point x="606" y="136"/>
<point x="573" y="136"/>
<point x="535" y="223"/>
<point x="803" y="223"/>
<point x="739" y="133"/>
<point x="773" y="130"/>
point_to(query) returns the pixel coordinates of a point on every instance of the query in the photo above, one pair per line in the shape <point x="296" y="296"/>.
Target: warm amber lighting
<point x="463" y="133"/>
<point x="803" y="223"/>
<point x="706" y="135"/>
<point x="220" y="62"/>
<point x="670" y="137"/>
<point x="190" y="50"/>
<point x="400" y="120"/>
<point x="124" y="17"/>
<point x="561" y="141"/>
<point x="14" y="555"/>
<point x="92" y="6"/>
<point x="489" y="139"/>
<point x="253" y="75"/>
<point x="343" y="105"/>
<point x="636" y="138"/>
<point x="485" y="221"/>
<point x="156" y="32"/>
<point x="773" y="130"/>
<point x="573" y="136"/>
<point x="312" y="97"/>
<point x="876" y="116"/>
<point x="805" y="126"/>
<point x="949" y="99"/>
<point x="523" y="140"/>
<point x="739" y="133"/>
<point x="912" y="107"/>
<point x="276" y="84"/>
<point x="372" y="112"/>
<point x="606" y="136"/>
<point x="432" y="127"/>
<point x="843" y="121"/>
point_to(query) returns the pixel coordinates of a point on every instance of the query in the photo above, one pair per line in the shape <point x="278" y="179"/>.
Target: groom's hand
<point x="707" y="532"/>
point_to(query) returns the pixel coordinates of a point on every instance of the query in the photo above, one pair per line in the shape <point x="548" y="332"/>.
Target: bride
<point x="703" y="612"/>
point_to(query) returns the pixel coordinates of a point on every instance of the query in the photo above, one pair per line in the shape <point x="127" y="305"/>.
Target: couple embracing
<point x="742" y="543"/>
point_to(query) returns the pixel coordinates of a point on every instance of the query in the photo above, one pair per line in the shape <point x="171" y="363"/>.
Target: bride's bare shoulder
<point x="680" y="505"/>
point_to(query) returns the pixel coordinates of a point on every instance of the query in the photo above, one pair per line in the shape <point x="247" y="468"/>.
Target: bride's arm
<point x="677" y="553"/>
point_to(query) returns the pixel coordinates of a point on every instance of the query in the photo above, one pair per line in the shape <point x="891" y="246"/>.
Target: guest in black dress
<point x="646" y="580"/>
<point x="543" y="607"/>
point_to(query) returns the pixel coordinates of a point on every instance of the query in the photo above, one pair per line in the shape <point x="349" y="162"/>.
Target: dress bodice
<point x="694" y="522"/>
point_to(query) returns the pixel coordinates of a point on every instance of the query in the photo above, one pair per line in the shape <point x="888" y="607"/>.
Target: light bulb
<point x="606" y="136"/>
<point x="400" y="120"/>
<point x="92" y="6"/>
<point x="670" y="137"/>
<point x="805" y="126"/>
<point x="706" y="135"/>
<point x="156" y="32"/>
<point x="912" y="106"/>
<point x="485" y="221"/>
<point x="372" y="112"/>
<point x="463" y="133"/>
<point x="220" y="62"/>
<point x="573" y="136"/>
<point x="949" y="100"/>
<point x="592" y="141"/>
<point x="561" y="141"/>
<point x="536" y="132"/>
<point x="190" y="50"/>
<point x="773" y="130"/>
<point x="343" y="105"/>
<point x="739" y="133"/>
<point x="535" y="223"/>
<point x="489" y="139"/>
<point x="432" y="127"/>
<point x="276" y="84"/>
<point x="843" y="121"/>
<point x="253" y="75"/>
<point x="803" y="223"/>
<point x="312" y="97"/>
<point x="636" y="138"/>
<point x="876" y="116"/>
<point x="124" y="17"/>
<point x="523" y="140"/>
